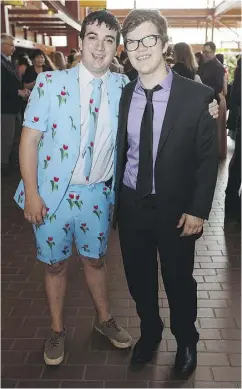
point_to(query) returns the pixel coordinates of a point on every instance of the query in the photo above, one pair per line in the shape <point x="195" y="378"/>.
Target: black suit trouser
<point x="232" y="198"/>
<point x="143" y="231"/>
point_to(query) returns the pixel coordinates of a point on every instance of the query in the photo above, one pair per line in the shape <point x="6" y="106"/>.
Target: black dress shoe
<point x="186" y="359"/>
<point x="144" y="350"/>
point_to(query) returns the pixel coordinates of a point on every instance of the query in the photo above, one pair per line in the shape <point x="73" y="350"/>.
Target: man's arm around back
<point x="207" y="166"/>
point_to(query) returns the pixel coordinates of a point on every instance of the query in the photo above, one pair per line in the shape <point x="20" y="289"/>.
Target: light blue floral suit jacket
<point x="54" y="109"/>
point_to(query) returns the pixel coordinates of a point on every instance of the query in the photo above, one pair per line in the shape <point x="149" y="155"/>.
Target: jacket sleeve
<point x="236" y="88"/>
<point x="37" y="110"/>
<point x="207" y="165"/>
<point x="4" y="78"/>
<point x="219" y="80"/>
<point x="119" y="158"/>
<point x="124" y="82"/>
<point x="9" y="88"/>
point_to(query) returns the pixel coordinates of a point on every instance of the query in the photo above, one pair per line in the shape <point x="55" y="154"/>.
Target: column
<point x="12" y="29"/>
<point x="213" y="25"/>
<point x="4" y="19"/>
<point x="73" y="7"/>
<point x="26" y="34"/>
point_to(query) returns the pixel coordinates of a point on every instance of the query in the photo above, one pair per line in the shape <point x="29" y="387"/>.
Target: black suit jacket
<point x="212" y="74"/>
<point x="10" y="84"/>
<point x="132" y="74"/>
<point x="235" y="97"/>
<point x="187" y="158"/>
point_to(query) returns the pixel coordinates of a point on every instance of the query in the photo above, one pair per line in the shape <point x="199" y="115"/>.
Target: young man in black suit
<point x="166" y="174"/>
<point x="11" y="100"/>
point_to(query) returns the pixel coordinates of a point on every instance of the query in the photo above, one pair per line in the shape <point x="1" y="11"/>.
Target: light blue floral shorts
<point x="83" y="214"/>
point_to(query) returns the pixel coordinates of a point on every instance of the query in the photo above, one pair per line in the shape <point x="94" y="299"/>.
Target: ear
<point x="164" y="50"/>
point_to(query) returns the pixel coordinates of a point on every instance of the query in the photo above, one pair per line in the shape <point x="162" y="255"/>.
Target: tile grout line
<point x="84" y="372"/>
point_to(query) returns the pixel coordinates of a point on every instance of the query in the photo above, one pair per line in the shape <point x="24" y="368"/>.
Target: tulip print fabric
<point x="83" y="211"/>
<point x="54" y="109"/>
<point x="84" y="215"/>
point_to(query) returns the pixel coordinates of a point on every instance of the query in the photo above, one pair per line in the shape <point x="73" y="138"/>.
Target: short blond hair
<point x="6" y="37"/>
<point x="137" y="17"/>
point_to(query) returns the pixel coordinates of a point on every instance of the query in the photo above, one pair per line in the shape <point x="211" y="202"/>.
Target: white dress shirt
<point x="103" y="153"/>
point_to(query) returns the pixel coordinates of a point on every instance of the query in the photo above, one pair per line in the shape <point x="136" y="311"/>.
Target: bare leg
<point x="96" y="277"/>
<point x="55" y="285"/>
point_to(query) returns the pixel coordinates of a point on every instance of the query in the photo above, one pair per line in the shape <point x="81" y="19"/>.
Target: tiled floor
<point x="90" y="360"/>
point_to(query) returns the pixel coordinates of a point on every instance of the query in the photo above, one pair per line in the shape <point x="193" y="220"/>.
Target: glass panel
<point x="124" y="4"/>
<point x="172" y="4"/>
<point x="222" y="37"/>
<point x="114" y="4"/>
<point x="59" y="41"/>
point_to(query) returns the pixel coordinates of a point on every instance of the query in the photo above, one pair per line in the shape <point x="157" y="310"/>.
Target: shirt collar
<point x="165" y="83"/>
<point x="4" y="56"/>
<point x="85" y="77"/>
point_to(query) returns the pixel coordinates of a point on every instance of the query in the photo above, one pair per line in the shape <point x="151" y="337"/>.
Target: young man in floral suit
<point x="67" y="164"/>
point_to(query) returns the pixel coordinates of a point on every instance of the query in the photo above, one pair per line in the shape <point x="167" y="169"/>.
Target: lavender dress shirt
<point x="137" y="107"/>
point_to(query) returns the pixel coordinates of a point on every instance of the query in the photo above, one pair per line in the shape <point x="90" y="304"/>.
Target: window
<point x="59" y="40"/>
<point x="129" y="4"/>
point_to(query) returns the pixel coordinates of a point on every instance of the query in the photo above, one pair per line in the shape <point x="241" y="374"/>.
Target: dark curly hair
<point x="100" y="17"/>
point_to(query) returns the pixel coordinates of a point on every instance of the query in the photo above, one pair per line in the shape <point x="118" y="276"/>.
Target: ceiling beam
<point x="226" y="26"/>
<point x="224" y="6"/>
<point x="63" y="14"/>
<point x="20" y="11"/>
<point x="33" y="15"/>
<point x="62" y="20"/>
<point x="234" y="17"/>
<point x="174" y="13"/>
<point x="40" y="19"/>
<point x="40" y="26"/>
<point x="49" y="31"/>
<point x="34" y="22"/>
<point x="55" y="33"/>
<point x="175" y="21"/>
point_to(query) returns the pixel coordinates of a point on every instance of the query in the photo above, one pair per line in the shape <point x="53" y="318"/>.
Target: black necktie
<point x="145" y="173"/>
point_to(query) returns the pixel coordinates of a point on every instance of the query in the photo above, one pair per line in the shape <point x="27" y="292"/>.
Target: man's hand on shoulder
<point x="35" y="209"/>
<point x="191" y="224"/>
<point x="24" y="93"/>
<point x="213" y="109"/>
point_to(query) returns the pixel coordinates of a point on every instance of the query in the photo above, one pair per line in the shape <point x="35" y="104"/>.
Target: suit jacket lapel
<point x="74" y="103"/>
<point x="124" y="111"/>
<point x="10" y="67"/>
<point x="173" y="109"/>
<point x="113" y="101"/>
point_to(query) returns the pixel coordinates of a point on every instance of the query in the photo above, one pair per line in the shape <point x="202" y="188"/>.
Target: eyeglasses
<point x="147" y="41"/>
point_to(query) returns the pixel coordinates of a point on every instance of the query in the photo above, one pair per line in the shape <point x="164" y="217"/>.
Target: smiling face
<point x="98" y="48"/>
<point x="39" y="60"/>
<point x="146" y="60"/>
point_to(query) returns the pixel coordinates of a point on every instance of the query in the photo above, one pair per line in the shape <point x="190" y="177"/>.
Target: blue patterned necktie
<point x="94" y="106"/>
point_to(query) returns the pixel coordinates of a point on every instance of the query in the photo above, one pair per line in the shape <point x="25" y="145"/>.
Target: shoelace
<point x="55" y="338"/>
<point x="111" y="323"/>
